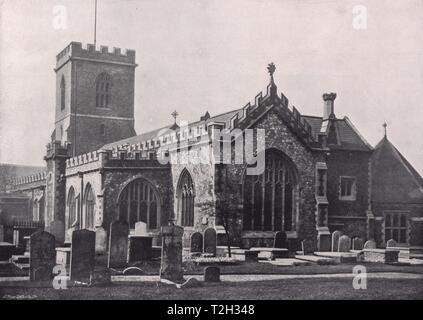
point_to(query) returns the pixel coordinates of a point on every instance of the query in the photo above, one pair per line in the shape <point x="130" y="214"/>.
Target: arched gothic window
<point x="269" y="198"/>
<point x="186" y="195"/>
<point x="102" y="89"/>
<point x="139" y="201"/>
<point x="89" y="207"/>
<point x="71" y="204"/>
<point x="62" y="93"/>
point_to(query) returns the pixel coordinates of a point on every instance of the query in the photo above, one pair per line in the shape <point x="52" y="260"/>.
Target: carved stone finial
<point x="271" y="68"/>
<point x="329" y="96"/>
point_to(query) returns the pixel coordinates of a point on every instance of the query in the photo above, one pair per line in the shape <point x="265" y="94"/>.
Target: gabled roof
<point x="394" y="178"/>
<point x="350" y="138"/>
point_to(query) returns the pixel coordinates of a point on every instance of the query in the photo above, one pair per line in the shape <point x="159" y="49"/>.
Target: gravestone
<point x="324" y="241"/>
<point x="370" y="244"/>
<point x="344" y="244"/>
<point x="197" y="242"/>
<point x="307" y="247"/>
<point x="100" y="240"/>
<point x="391" y="243"/>
<point x="57" y="229"/>
<point x="140" y="228"/>
<point x="210" y="241"/>
<point x="211" y="274"/>
<point x="171" y="260"/>
<point x="335" y="240"/>
<point x="280" y="240"/>
<point x="42" y="256"/>
<point x="82" y="255"/>
<point x="357" y="243"/>
<point x="139" y="248"/>
<point x="118" y="244"/>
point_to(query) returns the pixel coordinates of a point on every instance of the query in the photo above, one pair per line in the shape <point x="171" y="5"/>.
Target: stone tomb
<point x="344" y="244"/>
<point x="280" y="240"/>
<point x="357" y="243"/>
<point x="82" y="259"/>
<point x="139" y="248"/>
<point x="171" y="260"/>
<point x="196" y="243"/>
<point x="211" y="274"/>
<point x="380" y="255"/>
<point x="307" y="247"/>
<point x="370" y="244"/>
<point x="118" y="244"/>
<point x="324" y="241"/>
<point x="210" y="241"/>
<point x="42" y="256"/>
<point x="335" y="240"/>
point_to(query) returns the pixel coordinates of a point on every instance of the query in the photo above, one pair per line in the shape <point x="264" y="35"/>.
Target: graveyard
<point x="128" y="266"/>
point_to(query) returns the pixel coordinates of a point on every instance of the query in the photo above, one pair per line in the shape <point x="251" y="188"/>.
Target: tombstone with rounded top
<point x="140" y="228"/>
<point x="212" y="274"/>
<point x="370" y="244"/>
<point x="391" y="243"/>
<point x="196" y="242"/>
<point x="280" y="240"/>
<point x="210" y="241"/>
<point x="344" y="244"/>
<point x="335" y="240"/>
<point x="357" y="243"/>
<point x="42" y="255"/>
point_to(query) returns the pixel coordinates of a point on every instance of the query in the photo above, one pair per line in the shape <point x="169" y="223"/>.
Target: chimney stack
<point x="328" y="105"/>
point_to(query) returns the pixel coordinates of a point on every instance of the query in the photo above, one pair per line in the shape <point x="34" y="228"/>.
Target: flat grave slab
<point x="317" y="259"/>
<point x="271" y="253"/>
<point x="288" y="262"/>
<point x="341" y="257"/>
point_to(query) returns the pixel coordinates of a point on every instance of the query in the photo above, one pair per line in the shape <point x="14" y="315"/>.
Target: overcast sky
<point x="196" y="56"/>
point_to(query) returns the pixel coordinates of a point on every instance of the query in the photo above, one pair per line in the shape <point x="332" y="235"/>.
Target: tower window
<point x="102" y="87"/>
<point x="62" y="93"/>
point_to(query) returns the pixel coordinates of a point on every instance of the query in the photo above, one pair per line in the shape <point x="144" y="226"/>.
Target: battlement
<point x="36" y="177"/>
<point x="89" y="51"/>
<point x="289" y="113"/>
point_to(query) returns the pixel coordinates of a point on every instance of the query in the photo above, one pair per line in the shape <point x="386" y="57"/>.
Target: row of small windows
<point x="103" y="86"/>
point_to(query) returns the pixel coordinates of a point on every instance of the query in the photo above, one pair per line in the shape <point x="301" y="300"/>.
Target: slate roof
<point x="350" y="138"/>
<point x="394" y="178"/>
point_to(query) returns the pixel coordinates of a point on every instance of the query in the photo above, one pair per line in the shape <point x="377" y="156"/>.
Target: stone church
<point x="319" y="173"/>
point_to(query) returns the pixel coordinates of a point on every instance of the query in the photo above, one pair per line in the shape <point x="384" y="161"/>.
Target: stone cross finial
<point x="175" y="114"/>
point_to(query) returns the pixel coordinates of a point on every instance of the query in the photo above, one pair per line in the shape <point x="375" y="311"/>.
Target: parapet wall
<point x="89" y="51"/>
<point x="36" y="177"/>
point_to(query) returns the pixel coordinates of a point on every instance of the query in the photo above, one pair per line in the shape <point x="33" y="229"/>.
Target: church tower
<point x="94" y="96"/>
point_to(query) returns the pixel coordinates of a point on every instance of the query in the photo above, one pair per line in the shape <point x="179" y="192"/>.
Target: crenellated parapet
<point x="291" y="115"/>
<point x="76" y="50"/>
<point x="36" y="178"/>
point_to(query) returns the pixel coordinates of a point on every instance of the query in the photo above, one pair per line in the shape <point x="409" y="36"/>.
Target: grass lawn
<point x="276" y="289"/>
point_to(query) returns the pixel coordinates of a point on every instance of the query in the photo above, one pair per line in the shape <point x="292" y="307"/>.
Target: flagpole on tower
<point x="95" y="24"/>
